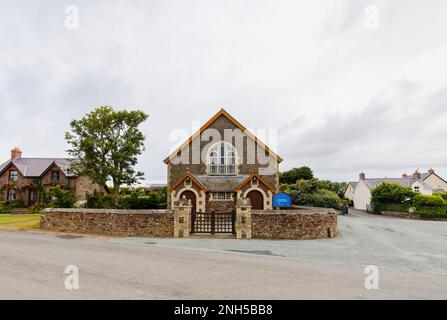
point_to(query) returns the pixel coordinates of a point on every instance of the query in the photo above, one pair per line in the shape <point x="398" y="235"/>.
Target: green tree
<point x="105" y="144"/>
<point x="295" y="174"/>
<point x="337" y="187"/>
<point x="391" y="193"/>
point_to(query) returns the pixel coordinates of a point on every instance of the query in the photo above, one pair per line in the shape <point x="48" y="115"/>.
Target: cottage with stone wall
<point x="28" y="179"/>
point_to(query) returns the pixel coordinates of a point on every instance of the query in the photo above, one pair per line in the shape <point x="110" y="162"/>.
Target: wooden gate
<point x="213" y="223"/>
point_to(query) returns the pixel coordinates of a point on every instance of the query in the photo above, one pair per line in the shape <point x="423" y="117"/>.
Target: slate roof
<point x="221" y="183"/>
<point x="372" y="183"/>
<point x="353" y="184"/>
<point x="35" y="167"/>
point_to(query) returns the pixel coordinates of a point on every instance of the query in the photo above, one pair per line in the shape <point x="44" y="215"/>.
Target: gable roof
<point x="372" y="183"/>
<point x="254" y="174"/>
<point x="424" y="176"/>
<point x="221" y="112"/>
<point x="353" y="184"/>
<point x="36" y="167"/>
<point x="221" y="183"/>
<point x="189" y="175"/>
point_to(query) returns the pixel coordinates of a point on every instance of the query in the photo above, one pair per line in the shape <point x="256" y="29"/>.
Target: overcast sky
<point x="347" y="89"/>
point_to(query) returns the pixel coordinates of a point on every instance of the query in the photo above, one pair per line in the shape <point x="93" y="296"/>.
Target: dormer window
<point x="55" y="176"/>
<point x="13" y="175"/>
<point x="222" y="160"/>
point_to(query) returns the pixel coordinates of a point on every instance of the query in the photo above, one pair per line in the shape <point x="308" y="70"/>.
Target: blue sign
<point x="282" y="199"/>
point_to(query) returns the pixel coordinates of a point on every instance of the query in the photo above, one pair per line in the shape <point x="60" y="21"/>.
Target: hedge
<point x="133" y="201"/>
<point x="323" y="199"/>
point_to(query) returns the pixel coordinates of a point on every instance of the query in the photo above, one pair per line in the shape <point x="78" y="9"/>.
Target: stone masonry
<point x="303" y="223"/>
<point x="243" y="223"/>
<point x="182" y="221"/>
<point x="145" y="223"/>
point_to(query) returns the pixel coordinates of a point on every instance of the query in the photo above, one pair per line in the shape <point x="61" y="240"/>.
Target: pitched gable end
<point x="221" y="112"/>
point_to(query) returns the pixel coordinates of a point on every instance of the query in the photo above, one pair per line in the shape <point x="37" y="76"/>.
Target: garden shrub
<point x="61" y="198"/>
<point x="321" y="198"/>
<point x="432" y="211"/>
<point x="423" y="200"/>
<point x="391" y="193"/>
<point x="153" y="200"/>
<point x="99" y="201"/>
<point x="394" y="207"/>
<point x="430" y="205"/>
<point x="135" y="201"/>
<point x="5" y="208"/>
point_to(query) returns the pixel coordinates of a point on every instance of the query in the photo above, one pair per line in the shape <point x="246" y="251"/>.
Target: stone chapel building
<point x="221" y="163"/>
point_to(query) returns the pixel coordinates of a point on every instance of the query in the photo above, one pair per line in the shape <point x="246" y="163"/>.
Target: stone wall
<point x="150" y="223"/>
<point x="304" y="223"/>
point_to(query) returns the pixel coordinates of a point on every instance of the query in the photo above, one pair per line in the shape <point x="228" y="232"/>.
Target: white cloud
<point x="343" y="97"/>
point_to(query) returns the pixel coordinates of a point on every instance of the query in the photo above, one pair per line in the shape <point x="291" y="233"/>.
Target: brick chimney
<point x="417" y="174"/>
<point x="404" y="175"/>
<point x="16" y="153"/>
<point x="362" y="176"/>
<point x="431" y="170"/>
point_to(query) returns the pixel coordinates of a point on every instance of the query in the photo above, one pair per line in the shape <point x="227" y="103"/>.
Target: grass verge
<point x="19" y="221"/>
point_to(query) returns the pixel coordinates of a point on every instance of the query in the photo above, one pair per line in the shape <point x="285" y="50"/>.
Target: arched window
<point x="222" y="159"/>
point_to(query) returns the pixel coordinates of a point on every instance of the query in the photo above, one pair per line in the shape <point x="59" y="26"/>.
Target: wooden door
<point x="256" y="200"/>
<point x="32" y="197"/>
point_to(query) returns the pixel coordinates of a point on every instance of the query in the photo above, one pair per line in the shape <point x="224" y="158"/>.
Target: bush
<point x="37" y="208"/>
<point x="5" y="208"/>
<point x="307" y="186"/>
<point x="99" y="201"/>
<point x="422" y="200"/>
<point x="135" y="201"/>
<point x="61" y="198"/>
<point x="391" y="193"/>
<point x="430" y="205"/>
<point x="322" y="198"/>
<point x="131" y="201"/>
<point x="394" y="207"/>
<point x="338" y="187"/>
<point x="432" y="211"/>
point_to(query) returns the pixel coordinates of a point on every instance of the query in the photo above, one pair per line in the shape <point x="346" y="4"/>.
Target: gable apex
<point x="221" y="112"/>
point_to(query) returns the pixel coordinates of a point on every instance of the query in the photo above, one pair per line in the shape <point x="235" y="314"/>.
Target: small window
<point x="55" y="176"/>
<point x="13" y="175"/>
<point x="11" y="195"/>
<point x="222" y="196"/>
<point x="416" y="189"/>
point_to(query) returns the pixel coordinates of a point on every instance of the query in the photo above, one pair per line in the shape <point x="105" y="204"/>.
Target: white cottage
<point x="424" y="183"/>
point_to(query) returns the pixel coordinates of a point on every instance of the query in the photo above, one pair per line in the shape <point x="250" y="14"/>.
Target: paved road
<point x="411" y="257"/>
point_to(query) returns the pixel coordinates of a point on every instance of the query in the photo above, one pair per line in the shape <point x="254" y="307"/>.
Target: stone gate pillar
<point x="243" y="219"/>
<point x="182" y="220"/>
